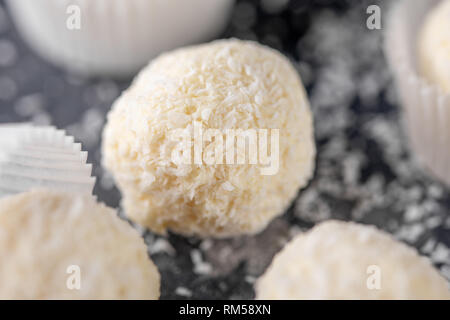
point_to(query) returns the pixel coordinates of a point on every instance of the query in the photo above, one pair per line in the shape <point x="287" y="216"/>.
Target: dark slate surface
<point x="364" y="171"/>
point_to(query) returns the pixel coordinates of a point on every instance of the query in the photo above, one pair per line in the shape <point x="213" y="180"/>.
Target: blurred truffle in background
<point x="65" y="245"/>
<point x="346" y="260"/>
<point x="434" y="46"/>
<point x="115" y="38"/>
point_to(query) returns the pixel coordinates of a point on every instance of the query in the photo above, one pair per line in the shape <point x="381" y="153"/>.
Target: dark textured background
<point x="364" y="170"/>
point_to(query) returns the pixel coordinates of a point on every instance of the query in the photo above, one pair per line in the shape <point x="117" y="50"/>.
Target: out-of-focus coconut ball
<point x="57" y="245"/>
<point x="338" y="260"/>
<point x="211" y="91"/>
<point x="434" y="46"/>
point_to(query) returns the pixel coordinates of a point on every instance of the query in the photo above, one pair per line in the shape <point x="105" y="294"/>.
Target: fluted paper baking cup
<point x="32" y="157"/>
<point x="115" y="37"/>
<point x="426" y="108"/>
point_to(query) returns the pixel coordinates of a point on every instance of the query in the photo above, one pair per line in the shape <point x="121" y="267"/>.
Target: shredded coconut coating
<point x="43" y="232"/>
<point x="227" y="84"/>
<point x="434" y="46"/>
<point x="337" y="260"/>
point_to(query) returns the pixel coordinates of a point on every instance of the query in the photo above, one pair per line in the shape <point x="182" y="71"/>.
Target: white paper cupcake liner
<point x="116" y="37"/>
<point x="33" y="157"/>
<point x="426" y="108"/>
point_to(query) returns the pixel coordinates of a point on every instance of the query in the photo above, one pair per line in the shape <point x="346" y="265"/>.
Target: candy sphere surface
<point x="207" y="95"/>
<point x="56" y="245"/>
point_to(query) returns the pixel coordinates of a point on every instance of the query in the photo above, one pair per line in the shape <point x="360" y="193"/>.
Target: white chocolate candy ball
<point x="338" y="260"/>
<point x="66" y="246"/>
<point x="227" y="84"/>
<point x="434" y="46"/>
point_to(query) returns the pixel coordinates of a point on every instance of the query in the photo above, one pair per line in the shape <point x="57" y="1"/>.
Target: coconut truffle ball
<point x="66" y="246"/>
<point x="338" y="260"/>
<point x="227" y="84"/>
<point x="434" y="46"/>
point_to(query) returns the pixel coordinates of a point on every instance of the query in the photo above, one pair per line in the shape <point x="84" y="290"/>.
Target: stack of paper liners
<point x="32" y="157"/>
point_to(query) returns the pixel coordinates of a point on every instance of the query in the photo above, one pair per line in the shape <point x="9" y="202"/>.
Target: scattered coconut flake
<point x="200" y="267"/>
<point x="161" y="245"/>
<point x="183" y="292"/>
